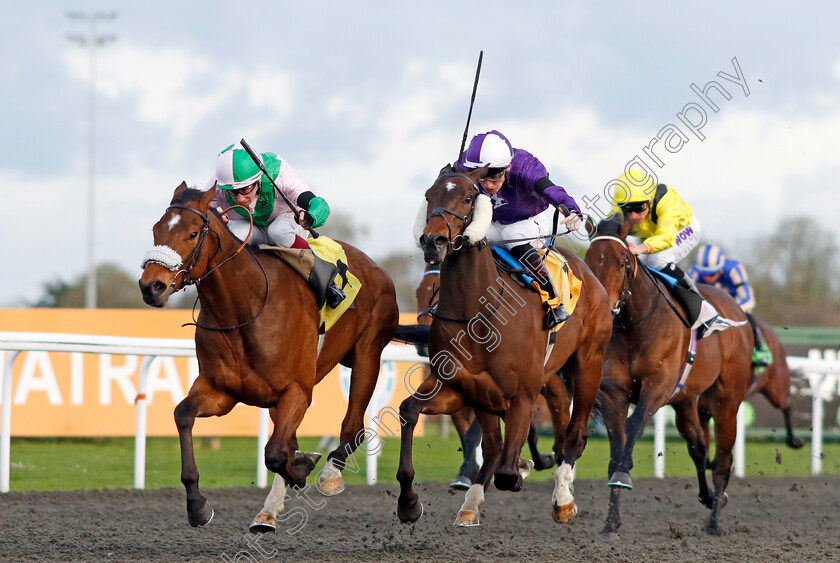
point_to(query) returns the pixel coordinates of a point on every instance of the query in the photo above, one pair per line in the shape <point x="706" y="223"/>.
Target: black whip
<point x="472" y="101"/>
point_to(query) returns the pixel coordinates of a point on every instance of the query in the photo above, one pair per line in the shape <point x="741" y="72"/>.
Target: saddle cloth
<point x="325" y="262"/>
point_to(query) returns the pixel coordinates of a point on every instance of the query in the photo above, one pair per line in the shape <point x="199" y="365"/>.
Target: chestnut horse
<point x="643" y="366"/>
<point x="489" y="352"/>
<point x="256" y="340"/>
<point x="468" y="428"/>
<point x="773" y="382"/>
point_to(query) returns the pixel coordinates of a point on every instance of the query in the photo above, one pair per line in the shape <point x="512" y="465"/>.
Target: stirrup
<point x="334" y="296"/>
<point x="554" y="316"/>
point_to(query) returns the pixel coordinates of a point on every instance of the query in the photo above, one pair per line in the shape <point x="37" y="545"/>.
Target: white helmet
<point x="490" y="149"/>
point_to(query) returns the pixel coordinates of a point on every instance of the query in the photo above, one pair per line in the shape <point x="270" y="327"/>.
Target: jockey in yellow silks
<point x="667" y="231"/>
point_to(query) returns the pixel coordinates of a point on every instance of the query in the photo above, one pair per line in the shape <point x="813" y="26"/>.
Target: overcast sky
<point x="368" y="100"/>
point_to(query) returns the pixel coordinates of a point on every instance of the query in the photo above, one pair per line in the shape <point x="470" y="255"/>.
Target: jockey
<point x="523" y="206"/>
<point x="714" y="268"/>
<point x="668" y="230"/>
<point x="239" y="181"/>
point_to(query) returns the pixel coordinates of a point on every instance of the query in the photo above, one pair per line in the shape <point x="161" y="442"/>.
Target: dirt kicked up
<point x="778" y="519"/>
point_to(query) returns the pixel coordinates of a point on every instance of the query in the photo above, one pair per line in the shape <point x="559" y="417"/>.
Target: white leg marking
<point x="275" y="501"/>
<point x="563" y="478"/>
<point x="473" y="499"/>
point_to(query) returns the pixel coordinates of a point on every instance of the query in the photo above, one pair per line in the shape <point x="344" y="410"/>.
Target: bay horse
<point x="773" y="381"/>
<point x="465" y="422"/>
<point x="643" y="365"/>
<point x="489" y="352"/>
<point x="256" y="340"/>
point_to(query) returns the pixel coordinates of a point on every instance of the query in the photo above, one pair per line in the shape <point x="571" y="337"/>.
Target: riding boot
<point x="334" y="296"/>
<point x="535" y="265"/>
<point x="700" y="314"/>
<point x="762" y="356"/>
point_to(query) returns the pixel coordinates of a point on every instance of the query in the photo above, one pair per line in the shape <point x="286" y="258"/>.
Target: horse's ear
<point x="625" y="228"/>
<point x="609" y="226"/>
<point x="207" y="197"/>
<point x="445" y="170"/>
<point x="478" y="173"/>
<point x="178" y="191"/>
<point x="591" y="227"/>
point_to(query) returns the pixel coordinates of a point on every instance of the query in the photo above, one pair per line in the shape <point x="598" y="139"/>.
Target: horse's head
<point x="454" y="215"/>
<point x="178" y="255"/>
<point x="611" y="261"/>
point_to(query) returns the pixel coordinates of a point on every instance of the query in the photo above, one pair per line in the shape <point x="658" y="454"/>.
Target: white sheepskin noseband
<point x="163" y="255"/>
<point x="482" y="216"/>
<point x="420" y="222"/>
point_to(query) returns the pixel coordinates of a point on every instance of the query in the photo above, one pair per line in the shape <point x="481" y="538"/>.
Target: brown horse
<point x="643" y="366"/>
<point x="772" y="381"/>
<point x="257" y="342"/>
<point x="489" y="352"/>
<point x="467" y="426"/>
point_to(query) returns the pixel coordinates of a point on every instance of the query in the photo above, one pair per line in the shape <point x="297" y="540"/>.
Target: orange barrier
<point x="75" y="394"/>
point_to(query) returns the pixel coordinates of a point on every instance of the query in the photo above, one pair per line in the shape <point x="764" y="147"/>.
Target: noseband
<point x="629" y="273"/>
<point x="442" y="211"/>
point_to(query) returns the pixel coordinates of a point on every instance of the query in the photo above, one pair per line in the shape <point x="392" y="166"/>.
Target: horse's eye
<point x="193" y="235"/>
<point x="468" y="200"/>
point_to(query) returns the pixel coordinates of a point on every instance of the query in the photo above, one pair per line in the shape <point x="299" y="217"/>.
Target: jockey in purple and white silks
<point x="524" y="200"/>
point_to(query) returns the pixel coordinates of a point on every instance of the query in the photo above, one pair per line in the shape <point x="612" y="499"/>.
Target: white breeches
<point x="280" y="232"/>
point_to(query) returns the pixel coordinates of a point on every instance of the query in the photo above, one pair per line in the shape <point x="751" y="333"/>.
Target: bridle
<point x="629" y="273"/>
<point x="465" y="219"/>
<point x="196" y="252"/>
<point x="432" y="303"/>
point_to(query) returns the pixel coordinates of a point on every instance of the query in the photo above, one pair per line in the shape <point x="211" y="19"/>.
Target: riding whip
<point x="295" y="209"/>
<point x="472" y="101"/>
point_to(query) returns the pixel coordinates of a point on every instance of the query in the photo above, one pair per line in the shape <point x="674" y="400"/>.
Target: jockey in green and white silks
<point x="239" y="181"/>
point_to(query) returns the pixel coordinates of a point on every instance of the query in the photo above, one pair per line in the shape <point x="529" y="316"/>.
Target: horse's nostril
<point x="158" y="287"/>
<point x="441" y="241"/>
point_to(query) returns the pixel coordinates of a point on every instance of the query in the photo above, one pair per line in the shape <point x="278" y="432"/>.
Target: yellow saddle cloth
<point x="325" y="261"/>
<point x="565" y="282"/>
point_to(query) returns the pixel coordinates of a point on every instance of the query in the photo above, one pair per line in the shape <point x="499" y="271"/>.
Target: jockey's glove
<point x="319" y="210"/>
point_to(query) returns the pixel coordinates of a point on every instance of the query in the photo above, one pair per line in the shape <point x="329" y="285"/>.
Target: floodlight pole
<point x="91" y="40"/>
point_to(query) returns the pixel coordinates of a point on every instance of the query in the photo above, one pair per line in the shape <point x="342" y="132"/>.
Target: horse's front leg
<point x="508" y="476"/>
<point x="430" y="398"/>
<point x="202" y="401"/>
<point x="282" y="445"/>
<point x="614" y="412"/>
<point x="275" y="504"/>
<point x="491" y="444"/>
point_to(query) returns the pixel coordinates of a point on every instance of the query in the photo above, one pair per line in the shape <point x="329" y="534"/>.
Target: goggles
<point x="634" y="207"/>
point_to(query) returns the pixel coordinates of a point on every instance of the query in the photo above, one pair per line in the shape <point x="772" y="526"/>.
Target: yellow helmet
<point x="634" y="186"/>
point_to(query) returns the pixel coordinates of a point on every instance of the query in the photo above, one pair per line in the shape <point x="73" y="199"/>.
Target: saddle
<point x="324" y="267"/>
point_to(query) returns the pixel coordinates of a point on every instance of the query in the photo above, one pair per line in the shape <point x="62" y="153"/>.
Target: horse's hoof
<point x="565" y="513"/>
<point x="467" y="518"/>
<point x="544" y="461"/>
<point x="621" y="480"/>
<point x="306" y="461"/>
<point x="508" y="482"/>
<point x="461" y="483"/>
<point x="331" y="486"/>
<point x="201" y="517"/>
<point x="263" y="522"/>
<point x="712" y="530"/>
<point x="525" y="467"/>
<point x="411" y="514"/>
<point x="795" y="443"/>
<point x="609" y="536"/>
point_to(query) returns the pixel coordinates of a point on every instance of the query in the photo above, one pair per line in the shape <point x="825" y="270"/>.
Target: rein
<point x="625" y="294"/>
<point x="197" y="251"/>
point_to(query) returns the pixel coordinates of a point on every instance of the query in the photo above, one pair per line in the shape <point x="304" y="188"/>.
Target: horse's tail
<point x="413" y="334"/>
<point x="606" y="401"/>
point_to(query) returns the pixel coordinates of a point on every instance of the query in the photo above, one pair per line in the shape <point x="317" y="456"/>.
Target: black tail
<point x="413" y="334"/>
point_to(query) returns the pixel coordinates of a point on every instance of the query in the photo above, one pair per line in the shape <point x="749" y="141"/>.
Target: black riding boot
<point x="535" y="265"/>
<point x="686" y="292"/>
<point x="334" y="296"/>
